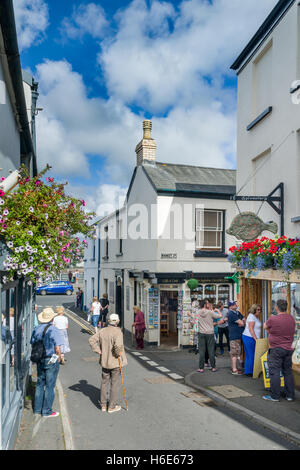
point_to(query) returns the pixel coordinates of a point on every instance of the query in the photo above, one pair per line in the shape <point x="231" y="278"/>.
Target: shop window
<point x="279" y="291"/>
<point x="295" y="305"/>
<point x="210" y="293"/>
<point x="209" y="230"/>
<point x="224" y="293"/>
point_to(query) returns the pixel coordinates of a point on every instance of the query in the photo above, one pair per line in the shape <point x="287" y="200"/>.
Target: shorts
<point x="103" y="317"/>
<point x="236" y="348"/>
<point x="95" y="320"/>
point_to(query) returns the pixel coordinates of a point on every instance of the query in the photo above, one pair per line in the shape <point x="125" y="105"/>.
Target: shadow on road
<point x="93" y="393"/>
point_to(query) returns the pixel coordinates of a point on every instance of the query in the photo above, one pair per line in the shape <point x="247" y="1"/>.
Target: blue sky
<point x="103" y="66"/>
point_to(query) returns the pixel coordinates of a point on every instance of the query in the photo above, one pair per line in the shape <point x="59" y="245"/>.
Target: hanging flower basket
<point x="41" y="226"/>
<point x="262" y="254"/>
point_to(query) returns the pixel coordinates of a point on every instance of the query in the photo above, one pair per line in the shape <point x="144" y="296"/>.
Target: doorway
<point x="168" y="318"/>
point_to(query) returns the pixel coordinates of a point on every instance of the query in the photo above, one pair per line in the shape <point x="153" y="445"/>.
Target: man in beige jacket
<point x="108" y="343"/>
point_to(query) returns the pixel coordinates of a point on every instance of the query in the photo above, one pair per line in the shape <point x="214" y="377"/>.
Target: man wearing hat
<point x="47" y="372"/>
<point x="236" y="325"/>
<point x="108" y="343"/>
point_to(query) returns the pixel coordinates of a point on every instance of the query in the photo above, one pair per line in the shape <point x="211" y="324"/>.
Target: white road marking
<point x="163" y="369"/>
<point x="137" y="353"/>
<point x="175" y="376"/>
<point x="144" y="358"/>
<point x="151" y="363"/>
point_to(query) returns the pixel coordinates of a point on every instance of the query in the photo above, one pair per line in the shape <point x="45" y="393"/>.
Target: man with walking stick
<point x="108" y="343"/>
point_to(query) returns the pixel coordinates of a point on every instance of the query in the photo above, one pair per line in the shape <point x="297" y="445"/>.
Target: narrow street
<point x="160" y="416"/>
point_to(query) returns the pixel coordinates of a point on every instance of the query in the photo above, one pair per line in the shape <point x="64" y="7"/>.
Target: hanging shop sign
<point x="247" y="226"/>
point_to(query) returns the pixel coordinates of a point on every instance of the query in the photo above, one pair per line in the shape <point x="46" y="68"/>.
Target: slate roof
<point x="172" y="178"/>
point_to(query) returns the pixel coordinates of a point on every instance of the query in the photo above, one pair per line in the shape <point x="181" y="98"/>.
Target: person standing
<point x="223" y="328"/>
<point x="140" y="327"/>
<point x="62" y="324"/>
<point x="70" y="276"/>
<point x="108" y="343"/>
<point x="47" y="371"/>
<point x="95" y="312"/>
<point x="281" y="329"/>
<point x="206" y="335"/>
<point x="236" y="326"/>
<point x="250" y="335"/>
<point x="104" y="304"/>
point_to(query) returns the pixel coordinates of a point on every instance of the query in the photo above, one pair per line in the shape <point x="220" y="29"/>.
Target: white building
<point x="171" y="228"/>
<point x="268" y="143"/>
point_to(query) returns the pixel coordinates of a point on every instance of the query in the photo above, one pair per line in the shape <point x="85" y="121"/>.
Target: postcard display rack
<point x="184" y="316"/>
<point x="153" y="308"/>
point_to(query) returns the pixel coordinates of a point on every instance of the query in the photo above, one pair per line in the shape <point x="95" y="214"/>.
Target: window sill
<point x="210" y="254"/>
<point x="260" y="118"/>
<point x="105" y="258"/>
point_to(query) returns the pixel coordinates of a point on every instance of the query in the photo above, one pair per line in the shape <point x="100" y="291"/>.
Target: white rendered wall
<point x="274" y="142"/>
<point x="9" y="134"/>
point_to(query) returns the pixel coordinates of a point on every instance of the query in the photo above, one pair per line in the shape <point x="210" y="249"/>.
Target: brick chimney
<point x="146" y="149"/>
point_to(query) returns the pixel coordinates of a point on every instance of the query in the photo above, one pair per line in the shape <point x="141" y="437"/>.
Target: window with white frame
<point x="209" y="230"/>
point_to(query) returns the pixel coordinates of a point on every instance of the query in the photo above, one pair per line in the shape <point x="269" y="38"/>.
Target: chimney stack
<point x="146" y="149"/>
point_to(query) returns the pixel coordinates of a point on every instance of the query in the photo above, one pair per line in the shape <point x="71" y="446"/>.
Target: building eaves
<point x="266" y="28"/>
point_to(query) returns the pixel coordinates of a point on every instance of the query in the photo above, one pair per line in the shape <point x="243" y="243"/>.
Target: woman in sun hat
<point x="47" y="371"/>
<point x="61" y="322"/>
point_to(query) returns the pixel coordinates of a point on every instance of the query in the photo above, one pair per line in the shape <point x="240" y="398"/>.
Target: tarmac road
<point x="160" y="416"/>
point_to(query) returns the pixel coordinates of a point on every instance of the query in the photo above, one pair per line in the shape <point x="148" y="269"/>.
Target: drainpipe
<point x="98" y="269"/>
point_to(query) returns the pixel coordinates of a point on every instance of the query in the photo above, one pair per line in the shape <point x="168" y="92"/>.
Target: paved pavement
<point x="165" y="381"/>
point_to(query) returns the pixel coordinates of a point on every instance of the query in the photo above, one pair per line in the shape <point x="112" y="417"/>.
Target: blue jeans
<point x="45" y="387"/>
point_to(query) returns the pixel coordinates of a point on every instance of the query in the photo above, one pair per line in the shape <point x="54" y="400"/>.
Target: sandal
<point x="214" y="370"/>
<point x="200" y="370"/>
<point x="236" y="372"/>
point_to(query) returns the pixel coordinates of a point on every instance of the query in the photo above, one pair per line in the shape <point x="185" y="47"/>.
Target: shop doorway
<point x="168" y="318"/>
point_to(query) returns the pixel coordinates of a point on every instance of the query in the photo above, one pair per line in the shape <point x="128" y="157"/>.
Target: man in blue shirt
<point x="47" y="372"/>
<point x="236" y="325"/>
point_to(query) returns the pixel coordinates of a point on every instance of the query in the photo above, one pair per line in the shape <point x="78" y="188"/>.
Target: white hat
<point x="46" y="315"/>
<point x="113" y="319"/>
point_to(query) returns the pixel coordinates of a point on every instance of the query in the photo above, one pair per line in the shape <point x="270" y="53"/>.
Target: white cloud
<point x="168" y="62"/>
<point x="159" y="57"/>
<point x="85" y="19"/>
<point x="32" y="20"/>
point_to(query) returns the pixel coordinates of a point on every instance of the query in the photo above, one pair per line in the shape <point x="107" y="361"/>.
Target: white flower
<point x="24" y="265"/>
<point x="28" y="248"/>
<point x="1" y="202"/>
<point x="43" y="246"/>
<point x="46" y="252"/>
<point x="30" y="259"/>
<point x="21" y="249"/>
<point x="34" y="250"/>
<point x="30" y="232"/>
<point x="18" y="222"/>
<point x="17" y="250"/>
<point x="10" y="244"/>
<point x="31" y="209"/>
<point x="5" y="212"/>
<point x="46" y="216"/>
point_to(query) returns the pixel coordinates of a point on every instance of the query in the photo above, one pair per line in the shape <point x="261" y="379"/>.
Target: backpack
<point x="38" y="351"/>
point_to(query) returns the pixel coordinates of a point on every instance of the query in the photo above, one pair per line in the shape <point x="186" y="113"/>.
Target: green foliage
<point x="40" y="225"/>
